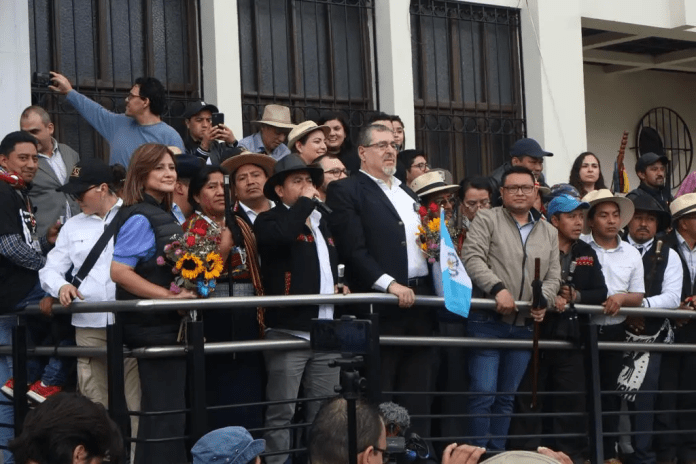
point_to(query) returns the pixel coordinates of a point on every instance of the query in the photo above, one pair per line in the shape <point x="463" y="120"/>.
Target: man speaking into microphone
<point x="298" y="257"/>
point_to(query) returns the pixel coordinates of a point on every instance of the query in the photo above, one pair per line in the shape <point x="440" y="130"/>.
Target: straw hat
<point x="520" y="457"/>
<point x="303" y="129"/>
<point x="276" y="116"/>
<point x="596" y="197"/>
<point x="431" y="182"/>
<point x="261" y="160"/>
<point x="683" y="205"/>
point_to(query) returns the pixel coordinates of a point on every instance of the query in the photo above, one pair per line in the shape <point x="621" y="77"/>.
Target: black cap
<point x="643" y="201"/>
<point x="198" y="106"/>
<point x="85" y="174"/>
<point x="287" y="165"/>
<point x="649" y="159"/>
<point x="528" y="147"/>
<point x="187" y="166"/>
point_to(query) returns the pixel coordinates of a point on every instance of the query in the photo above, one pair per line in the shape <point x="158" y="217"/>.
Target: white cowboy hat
<point x="626" y="208"/>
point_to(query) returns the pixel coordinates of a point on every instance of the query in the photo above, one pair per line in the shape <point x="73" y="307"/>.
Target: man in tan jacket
<point x="499" y="253"/>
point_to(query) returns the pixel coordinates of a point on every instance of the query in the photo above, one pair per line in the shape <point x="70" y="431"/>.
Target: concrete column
<point x="15" y="78"/>
<point x="554" y="82"/>
<point x="394" y="74"/>
<point x="222" y="82"/>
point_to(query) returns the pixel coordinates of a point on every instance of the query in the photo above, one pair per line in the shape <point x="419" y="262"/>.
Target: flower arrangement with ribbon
<point x="428" y="238"/>
<point x="194" y="257"/>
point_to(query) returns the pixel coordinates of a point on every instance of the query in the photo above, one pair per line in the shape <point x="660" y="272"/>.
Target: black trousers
<point x="677" y="373"/>
<point x="162" y="385"/>
<point x="559" y="371"/>
<point x="409" y="369"/>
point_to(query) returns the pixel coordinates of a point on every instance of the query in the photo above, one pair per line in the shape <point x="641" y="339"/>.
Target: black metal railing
<point x="196" y="349"/>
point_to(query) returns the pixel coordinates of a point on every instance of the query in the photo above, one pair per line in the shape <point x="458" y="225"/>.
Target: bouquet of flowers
<point x="429" y="231"/>
<point x="194" y="257"/>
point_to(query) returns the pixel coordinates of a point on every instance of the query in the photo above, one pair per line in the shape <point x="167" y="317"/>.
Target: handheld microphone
<point x="341" y="277"/>
<point x="321" y="206"/>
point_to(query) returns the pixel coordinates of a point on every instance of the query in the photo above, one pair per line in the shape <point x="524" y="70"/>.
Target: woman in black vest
<point x="148" y="226"/>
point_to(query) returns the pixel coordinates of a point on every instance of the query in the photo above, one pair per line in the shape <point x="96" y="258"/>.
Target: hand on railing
<point x="462" y="454"/>
<point x="504" y="302"/>
<point x="560" y="303"/>
<point x="406" y="296"/>
<point x="557" y="455"/>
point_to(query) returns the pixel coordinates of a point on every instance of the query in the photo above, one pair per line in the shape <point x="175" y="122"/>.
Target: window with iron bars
<point x="102" y="46"/>
<point x="310" y="55"/>
<point x="468" y="84"/>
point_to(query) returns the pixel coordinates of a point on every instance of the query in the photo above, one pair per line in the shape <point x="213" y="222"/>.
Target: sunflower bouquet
<point x="428" y="238"/>
<point x="194" y="258"/>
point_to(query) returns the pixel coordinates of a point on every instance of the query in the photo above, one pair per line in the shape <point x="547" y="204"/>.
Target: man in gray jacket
<point x="56" y="161"/>
<point x="499" y="253"/>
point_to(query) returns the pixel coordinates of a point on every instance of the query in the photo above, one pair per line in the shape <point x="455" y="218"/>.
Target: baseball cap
<point x="228" y="445"/>
<point x="528" y="147"/>
<point x="85" y="174"/>
<point x="565" y="203"/>
<point x="198" y="106"/>
<point x="558" y="189"/>
<point x="648" y="159"/>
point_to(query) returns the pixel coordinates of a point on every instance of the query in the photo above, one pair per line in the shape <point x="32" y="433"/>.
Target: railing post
<point x="196" y="375"/>
<point x="373" y="363"/>
<point x="19" y="373"/>
<point x="594" y="391"/>
<point x="118" y="408"/>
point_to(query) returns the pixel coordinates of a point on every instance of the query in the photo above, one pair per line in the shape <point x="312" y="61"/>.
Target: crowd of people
<point x="306" y="198"/>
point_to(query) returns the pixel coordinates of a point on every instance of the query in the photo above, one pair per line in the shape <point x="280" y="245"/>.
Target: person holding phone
<point x="207" y="134"/>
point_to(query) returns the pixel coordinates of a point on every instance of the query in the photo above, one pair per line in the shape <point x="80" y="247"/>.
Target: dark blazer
<point x="49" y="203"/>
<point x="289" y="261"/>
<point x="369" y="233"/>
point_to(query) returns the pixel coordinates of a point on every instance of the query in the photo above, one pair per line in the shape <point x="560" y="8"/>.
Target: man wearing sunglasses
<point x="141" y="123"/>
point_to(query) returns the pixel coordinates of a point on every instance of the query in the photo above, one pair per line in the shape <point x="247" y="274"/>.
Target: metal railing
<point x="196" y="349"/>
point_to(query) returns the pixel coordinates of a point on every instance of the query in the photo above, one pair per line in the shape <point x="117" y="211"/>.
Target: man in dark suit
<point x="375" y="223"/>
<point x="298" y="258"/>
<point x="56" y="161"/>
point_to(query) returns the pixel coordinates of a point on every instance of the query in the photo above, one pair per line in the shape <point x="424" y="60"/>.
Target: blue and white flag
<point x="456" y="283"/>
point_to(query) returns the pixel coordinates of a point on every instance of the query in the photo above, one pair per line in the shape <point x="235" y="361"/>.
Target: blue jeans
<point x="494" y="370"/>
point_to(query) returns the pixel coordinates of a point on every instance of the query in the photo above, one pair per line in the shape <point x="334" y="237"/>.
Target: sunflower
<point x="190" y="266"/>
<point x="213" y="265"/>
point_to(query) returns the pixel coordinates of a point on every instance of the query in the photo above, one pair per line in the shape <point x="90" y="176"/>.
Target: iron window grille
<point x="309" y="55"/>
<point x="468" y="84"/>
<point x="102" y="46"/>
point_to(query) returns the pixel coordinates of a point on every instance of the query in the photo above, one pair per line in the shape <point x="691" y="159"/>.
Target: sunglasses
<point x="80" y="196"/>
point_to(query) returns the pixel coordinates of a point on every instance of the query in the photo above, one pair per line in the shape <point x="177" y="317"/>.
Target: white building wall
<point x="15" y="77"/>
<point x="617" y="102"/>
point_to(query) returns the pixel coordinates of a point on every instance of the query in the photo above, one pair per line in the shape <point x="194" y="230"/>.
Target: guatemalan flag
<point x="456" y="283"/>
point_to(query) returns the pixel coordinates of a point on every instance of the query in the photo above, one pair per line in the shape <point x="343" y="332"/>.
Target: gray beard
<point x="389" y="171"/>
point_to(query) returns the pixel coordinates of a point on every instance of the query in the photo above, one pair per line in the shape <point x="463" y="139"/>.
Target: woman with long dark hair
<point x="148" y="226"/>
<point x="338" y="142"/>
<point x="586" y="174"/>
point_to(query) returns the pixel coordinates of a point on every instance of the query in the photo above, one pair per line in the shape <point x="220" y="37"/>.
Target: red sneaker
<point x="8" y="388"/>
<point x="39" y="392"/>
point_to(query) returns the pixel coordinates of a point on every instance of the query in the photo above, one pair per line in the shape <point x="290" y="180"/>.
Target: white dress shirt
<point x="623" y="273"/>
<point x="672" y="281"/>
<point x="251" y="214"/>
<point x="404" y="205"/>
<point x="689" y="256"/>
<point x="75" y="240"/>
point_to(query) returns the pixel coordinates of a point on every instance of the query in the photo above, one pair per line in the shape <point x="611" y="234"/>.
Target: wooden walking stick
<point x="536" y="300"/>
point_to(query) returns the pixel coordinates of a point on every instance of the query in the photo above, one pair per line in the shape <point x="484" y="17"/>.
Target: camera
<point x="41" y="80"/>
<point x="217" y="119"/>
<point x="347" y="335"/>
